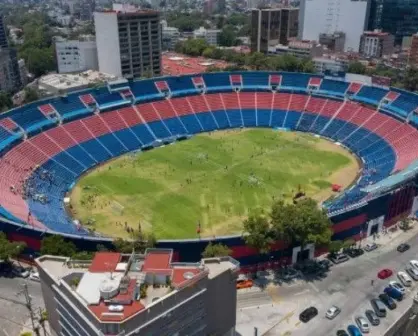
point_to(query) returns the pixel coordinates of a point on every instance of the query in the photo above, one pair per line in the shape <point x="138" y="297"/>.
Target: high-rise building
<point x="128" y="41"/>
<point x="76" y="55"/>
<point x="209" y="35"/>
<point x="329" y="16"/>
<point x="272" y="26"/>
<point x="397" y="17"/>
<point x="376" y="44"/>
<point x="3" y="34"/>
<point x="9" y="69"/>
<point x="87" y="8"/>
<point x="334" y="42"/>
<point x="413" y="51"/>
<point x="135" y="294"/>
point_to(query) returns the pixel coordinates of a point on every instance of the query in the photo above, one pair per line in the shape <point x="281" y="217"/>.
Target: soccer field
<point x="213" y="179"/>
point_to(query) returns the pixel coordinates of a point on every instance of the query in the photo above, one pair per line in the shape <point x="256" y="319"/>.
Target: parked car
<point x="370" y="247"/>
<point x="403" y="247"/>
<point x="388" y="301"/>
<point x="354" y="252"/>
<point x="414" y="263"/>
<point x="397" y="286"/>
<point x="342" y="332"/>
<point x="378" y="307"/>
<point x="5" y="268"/>
<point x="362" y="324"/>
<point x="308" y="314"/>
<point x="393" y="293"/>
<point x="354" y="331"/>
<point x="339" y="258"/>
<point x="34" y="276"/>
<point x="371" y="315"/>
<point x="324" y="264"/>
<point x="290" y="274"/>
<point x="405" y="279"/>
<point x="384" y="273"/>
<point x="413" y="272"/>
<point x="332" y="312"/>
<point x="244" y="283"/>
<point x="20" y="271"/>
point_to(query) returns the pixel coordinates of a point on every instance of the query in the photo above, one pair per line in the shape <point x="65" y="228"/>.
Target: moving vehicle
<point x="413" y="272"/>
<point x="403" y="247"/>
<point x="371" y="315"/>
<point x="393" y="293"/>
<point x="388" y="301"/>
<point x="362" y="324"/>
<point x="405" y="279"/>
<point x="397" y="286"/>
<point x="378" y="307"/>
<point x="308" y="314"/>
<point x="384" y="273"/>
<point x="332" y="312"/>
<point x="339" y="258"/>
<point x="354" y="331"/>
<point x="370" y="247"/>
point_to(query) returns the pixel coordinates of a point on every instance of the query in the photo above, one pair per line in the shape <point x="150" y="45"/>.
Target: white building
<point x="210" y="35"/>
<point x="330" y="16"/>
<point x="128" y="41"/>
<point x="327" y="64"/>
<point x="76" y="56"/>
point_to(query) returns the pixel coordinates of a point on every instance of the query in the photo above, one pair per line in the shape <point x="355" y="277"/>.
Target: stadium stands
<point x="38" y="171"/>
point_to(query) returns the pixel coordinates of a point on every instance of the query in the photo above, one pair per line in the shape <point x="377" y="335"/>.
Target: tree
<point x="405" y="224"/>
<point x="302" y="223"/>
<point x="227" y="37"/>
<point x="257" y="233"/>
<point x="30" y="95"/>
<point x="56" y="245"/>
<point x="216" y="250"/>
<point x="410" y="80"/>
<point x="335" y="246"/>
<point x="356" y="68"/>
<point x="5" y="101"/>
<point x="10" y="250"/>
<point x="257" y="61"/>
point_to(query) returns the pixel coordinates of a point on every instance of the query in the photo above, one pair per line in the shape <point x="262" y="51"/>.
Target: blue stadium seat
<point x="295" y="80"/>
<point x="249" y="118"/>
<point x="70" y="105"/>
<point x="145" y="89"/>
<point x="235" y="118"/>
<point x="159" y="129"/>
<point x="306" y="122"/>
<point x="255" y="80"/>
<point x="81" y="155"/>
<point x="96" y="150"/>
<point x="191" y="124"/>
<point x="181" y="85"/>
<point x="207" y="120"/>
<point x="291" y="119"/>
<point x="263" y="118"/>
<point x="371" y="95"/>
<point x="67" y="161"/>
<point x="175" y="126"/>
<point x="334" y="87"/>
<point x="217" y="81"/>
<point x="143" y="134"/>
<point x="128" y="138"/>
<point x="113" y="144"/>
<point x="277" y="118"/>
<point x="221" y="118"/>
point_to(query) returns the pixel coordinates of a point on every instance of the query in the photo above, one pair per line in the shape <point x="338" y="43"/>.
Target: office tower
<point x="272" y="26"/>
<point x="128" y="41"/>
<point x="376" y="44"/>
<point x="328" y="16"/>
<point x="139" y="294"/>
<point x="3" y="34"/>
<point x="76" y="55"/>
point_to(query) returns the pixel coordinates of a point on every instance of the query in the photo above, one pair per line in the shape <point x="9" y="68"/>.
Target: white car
<point x="362" y="324"/>
<point x="405" y="279"/>
<point x="397" y="285"/>
<point x="34" y="276"/>
<point x="115" y="308"/>
<point x="332" y="312"/>
<point x="370" y="247"/>
<point x="414" y="263"/>
<point x="413" y="272"/>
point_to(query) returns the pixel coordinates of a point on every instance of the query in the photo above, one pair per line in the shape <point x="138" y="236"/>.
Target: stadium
<point x="55" y="151"/>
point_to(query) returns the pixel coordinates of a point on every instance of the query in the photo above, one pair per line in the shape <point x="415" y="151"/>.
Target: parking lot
<point x="347" y="285"/>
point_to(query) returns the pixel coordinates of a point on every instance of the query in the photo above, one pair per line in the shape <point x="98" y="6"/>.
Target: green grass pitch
<point x="214" y="178"/>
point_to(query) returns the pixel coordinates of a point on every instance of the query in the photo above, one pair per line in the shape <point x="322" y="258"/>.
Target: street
<point x="347" y="285"/>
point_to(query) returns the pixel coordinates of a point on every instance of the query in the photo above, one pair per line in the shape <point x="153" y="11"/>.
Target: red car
<point x="384" y="273"/>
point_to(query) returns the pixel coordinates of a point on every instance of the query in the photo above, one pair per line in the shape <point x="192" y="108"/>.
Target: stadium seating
<point x="49" y="162"/>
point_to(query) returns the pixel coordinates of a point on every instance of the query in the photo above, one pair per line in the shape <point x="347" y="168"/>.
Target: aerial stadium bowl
<point x="81" y="165"/>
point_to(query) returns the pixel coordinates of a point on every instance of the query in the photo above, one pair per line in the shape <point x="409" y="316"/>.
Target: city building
<point x="324" y="65"/>
<point x="86" y="9"/>
<point x="413" y="51"/>
<point x="376" y="44"/>
<point x="3" y="34"/>
<point x="170" y="36"/>
<point x="139" y="294"/>
<point x="329" y="16"/>
<point x="300" y="49"/>
<point x="209" y="35"/>
<point x="272" y="26"/>
<point x="55" y="84"/>
<point x="9" y="70"/>
<point x="397" y="17"/>
<point x="334" y="42"/>
<point x="128" y="41"/>
<point x="77" y="55"/>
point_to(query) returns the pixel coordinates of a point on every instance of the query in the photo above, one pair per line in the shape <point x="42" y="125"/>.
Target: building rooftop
<point x="375" y="33"/>
<point x="178" y="64"/>
<point x="115" y="286"/>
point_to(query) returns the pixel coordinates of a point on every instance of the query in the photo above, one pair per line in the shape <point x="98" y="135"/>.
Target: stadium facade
<point x="48" y="144"/>
<point x="133" y="294"/>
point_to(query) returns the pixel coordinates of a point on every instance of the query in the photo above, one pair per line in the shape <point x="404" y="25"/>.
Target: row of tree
<point x="255" y="61"/>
